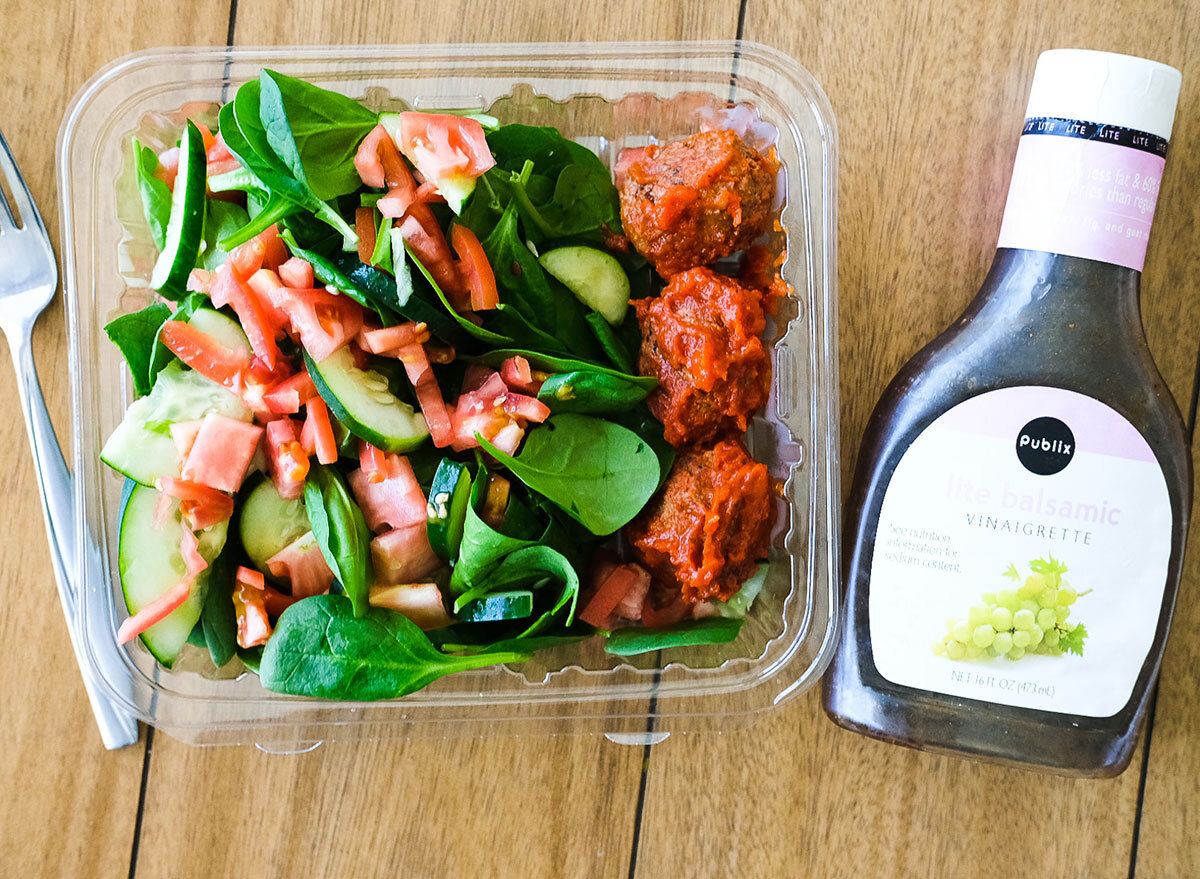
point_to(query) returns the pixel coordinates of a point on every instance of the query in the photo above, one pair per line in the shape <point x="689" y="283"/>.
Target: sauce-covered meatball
<point x="709" y="525"/>
<point x="701" y="339"/>
<point x="696" y="200"/>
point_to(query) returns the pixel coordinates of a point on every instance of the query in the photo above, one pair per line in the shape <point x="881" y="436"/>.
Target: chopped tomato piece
<point x="286" y="461"/>
<point x="275" y="252"/>
<point x="372" y="461"/>
<point x="189" y="548"/>
<point x="529" y="408"/>
<point x="444" y="145"/>
<point x="246" y="259"/>
<point x="199" y="281"/>
<point x="168" y="167"/>
<point x="324" y="321"/>
<point x="206" y="135"/>
<point x="254" y="317"/>
<point x="420" y="602"/>
<point x="265" y="285"/>
<point x="206" y="355"/>
<point x="429" y="395"/>
<point x="249" y="601"/>
<point x="518" y="375"/>
<point x="277" y="602"/>
<point x="200" y="505"/>
<point x="474" y="266"/>
<point x="303" y="566"/>
<point x="220" y="160"/>
<point x="399" y="199"/>
<point x="221" y="452"/>
<point x="297" y="272"/>
<point x="508" y="438"/>
<point x="396" y="175"/>
<point x="318" y="429"/>
<point x="474" y="377"/>
<point x="423" y="235"/>
<point x="388" y="339"/>
<point x="667" y="615"/>
<point x="183" y="434"/>
<point x="403" y="555"/>
<point x="289" y="395"/>
<point x="364" y="227"/>
<point x="366" y="160"/>
<point x="396" y="501"/>
<point x="155" y="611"/>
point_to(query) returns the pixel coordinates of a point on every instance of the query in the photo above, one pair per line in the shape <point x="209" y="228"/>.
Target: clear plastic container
<point x="609" y="97"/>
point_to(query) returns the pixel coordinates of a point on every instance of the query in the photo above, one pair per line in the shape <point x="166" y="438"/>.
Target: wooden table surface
<point x="928" y="96"/>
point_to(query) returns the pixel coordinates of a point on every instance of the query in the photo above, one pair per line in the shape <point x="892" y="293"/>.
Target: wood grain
<point x="502" y="807"/>
<point x="70" y="807"/>
<point x="929" y="97"/>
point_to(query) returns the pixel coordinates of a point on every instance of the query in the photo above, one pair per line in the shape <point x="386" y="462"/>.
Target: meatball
<point x="700" y="338"/>
<point x="696" y="200"/>
<point x="711" y="523"/>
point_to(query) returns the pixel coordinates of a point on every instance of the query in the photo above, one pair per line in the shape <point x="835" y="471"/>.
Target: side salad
<point x="389" y="417"/>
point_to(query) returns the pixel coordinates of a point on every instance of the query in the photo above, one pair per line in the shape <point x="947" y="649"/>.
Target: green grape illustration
<point x="1032" y="619"/>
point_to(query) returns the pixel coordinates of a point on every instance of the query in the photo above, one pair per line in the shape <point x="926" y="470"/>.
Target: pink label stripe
<point x="1082" y="198"/>
<point x="1098" y="429"/>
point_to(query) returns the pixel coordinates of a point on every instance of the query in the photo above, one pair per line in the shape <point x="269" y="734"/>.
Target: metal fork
<point x="28" y="279"/>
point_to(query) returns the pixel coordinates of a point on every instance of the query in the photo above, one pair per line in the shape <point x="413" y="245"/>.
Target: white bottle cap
<point x="1105" y="88"/>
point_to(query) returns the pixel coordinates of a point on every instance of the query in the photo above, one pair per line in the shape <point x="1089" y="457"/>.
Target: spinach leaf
<point x="531" y="643"/>
<point x="583" y="200"/>
<point x="251" y="657"/>
<point x="315" y="131"/>
<point x="378" y="291"/>
<point x="530" y="566"/>
<point x="218" y="618"/>
<point x="597" y="472"/>
<point x="322" y="648"/>
<point x="237" y="180"/>
<point x="590" y="392"/>
<point x="221" y="219"/>
<point x="550" y="363"/>
<point x="341" y="532"/>
<point x="160" y="354"/>
<point x="650" y="429"/>
<point x="610" y="343"/>
<point x="694" y="633"/>
<point x="545" y="146"/>
<point x="135" y="335"/>
<point x="156" y="195"/>
<point x="469" y="327"/>
<point x="276" y="209"/>
<point x="482" y="546"/>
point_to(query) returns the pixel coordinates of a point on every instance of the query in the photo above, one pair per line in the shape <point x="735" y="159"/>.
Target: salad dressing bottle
<point x="1017" y="522"/>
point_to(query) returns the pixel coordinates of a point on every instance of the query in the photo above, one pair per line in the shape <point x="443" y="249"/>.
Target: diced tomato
<point x="475" y="375"/>
<point x="221" y="452"/>
<point x="488" y="397"/>
<point x="266" y="285"/>
<point x="399" y="199"/>
<point x="276" y="602"/>
<point x="286" y="461"/>
<point x="289" y="395"/>
<point x="155" y="611"/>
<point x="373" y="462"/>
<point x="443" y="145"/>
<point x="403" y="555"/>
<point x="429" y="395"/>
<point x="424" y="237"/>
<point x="388" y="339"/>
<point x="393" y="502"/>
<point x="168" y="167"/>
<point x="297" y="272"/>
<point x="366" y="160"/>
<point x="620" y="581"/>
<point x="324" y="321"/>
<point x="508" y="438"/>
<point x="475" y="269"/>
<point x="420" y="602"/>
<point x="303" y="566"/>
<point x="529" y="408"/>
<point x="481" y="411"/>
<point x="667" y="615"/>
<point x="518" y="375"/>
<point x="275" y="252"/>
<point x="249" y="601"/>
<point x="246" y="259"/>
<point x="189" y="548"/>
<point x="201" y="506"/>
<point x="252" y="314"/>
<point x="318" y="429"/>
<point x="183" y="434"/>
<point x="250" y="577"/>
<point x="199" y="281"/>
<point x="396" y="175"/>
<point x="364" y="227"/>
<point x="220" y="160"/>
<point x="206" y="135"/>
<point x="206" y="355"/>
<point x="630" y="607"/>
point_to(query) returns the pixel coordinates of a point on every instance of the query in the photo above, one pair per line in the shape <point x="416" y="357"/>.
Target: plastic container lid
<point x="1105" y="88"/>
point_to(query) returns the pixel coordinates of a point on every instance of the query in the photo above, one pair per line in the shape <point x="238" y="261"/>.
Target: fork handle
<point x="118" y="729"/>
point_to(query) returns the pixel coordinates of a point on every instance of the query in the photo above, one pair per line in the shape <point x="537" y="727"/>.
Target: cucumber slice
<point x="361" y="401"/>
<point x="141" y="447"/>
<point x="185" y="226"/>
<point x="515" y="605"/>
<point x="596" y="278"/>
<point x="224" y="329"/>
<point x="449" y="494"/>
<point x="267" y="523"/>
<point x="150" y="563"/>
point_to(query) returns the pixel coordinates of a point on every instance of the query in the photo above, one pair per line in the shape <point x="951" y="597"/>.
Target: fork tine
<point x="30" y="218"/>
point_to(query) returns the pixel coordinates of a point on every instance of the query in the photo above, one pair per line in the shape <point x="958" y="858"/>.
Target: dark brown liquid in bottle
<point x="1039" y="319"/>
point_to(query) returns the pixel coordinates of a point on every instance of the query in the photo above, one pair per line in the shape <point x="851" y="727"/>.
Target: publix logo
<point x="1045" y="446"/>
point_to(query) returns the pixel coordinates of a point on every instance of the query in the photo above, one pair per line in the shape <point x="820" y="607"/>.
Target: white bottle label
<point x="1028" y="522"/>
